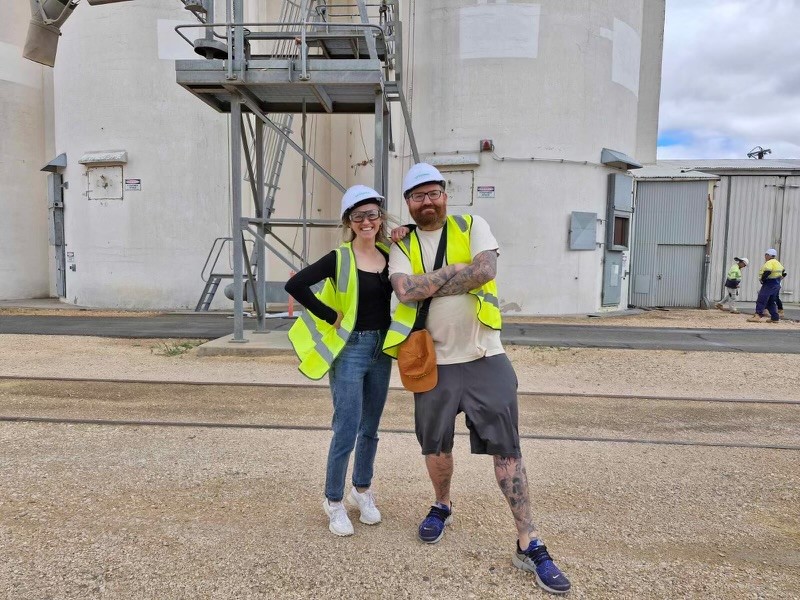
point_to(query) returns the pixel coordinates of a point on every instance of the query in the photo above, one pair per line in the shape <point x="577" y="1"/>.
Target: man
<point x="732" y="282"/>
<point x="474" y="373"/>
<point x="770" y="275"/>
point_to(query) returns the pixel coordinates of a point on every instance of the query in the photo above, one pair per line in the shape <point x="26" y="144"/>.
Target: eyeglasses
<point x="358" y="217"/>
<point x="420" y="196"/>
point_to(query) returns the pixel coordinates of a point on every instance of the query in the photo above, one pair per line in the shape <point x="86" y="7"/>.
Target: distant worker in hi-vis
<point x="732" y="282"/>
<point x="771" y="274"/>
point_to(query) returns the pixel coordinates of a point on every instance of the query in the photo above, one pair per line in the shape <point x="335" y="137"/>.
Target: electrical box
<point x="105" y="183"/>
<point x="583" y="231"/>
<point x="620" y="212"/>
<point x="459" y="187"/>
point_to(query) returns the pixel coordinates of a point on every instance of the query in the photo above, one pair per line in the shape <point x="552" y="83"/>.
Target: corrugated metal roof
<point x="667" y="172"/>
<point x="734" y="164"/>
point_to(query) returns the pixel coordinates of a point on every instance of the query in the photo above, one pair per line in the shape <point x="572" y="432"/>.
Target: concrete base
<point x="271" y="343"/>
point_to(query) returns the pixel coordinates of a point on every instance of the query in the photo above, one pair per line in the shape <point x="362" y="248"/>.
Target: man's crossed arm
<point x="451" y="280"/>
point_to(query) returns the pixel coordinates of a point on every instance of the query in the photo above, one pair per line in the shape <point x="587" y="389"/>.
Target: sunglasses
<point x="358" y="217"/>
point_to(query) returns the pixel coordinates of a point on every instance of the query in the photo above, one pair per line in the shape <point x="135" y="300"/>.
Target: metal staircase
<point x="319" y="58"/>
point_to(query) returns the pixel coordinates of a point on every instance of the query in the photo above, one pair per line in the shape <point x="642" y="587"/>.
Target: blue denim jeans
<point x="359" y="379"/>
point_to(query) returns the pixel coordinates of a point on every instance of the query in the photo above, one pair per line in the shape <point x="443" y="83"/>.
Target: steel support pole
<point x="304" y="175"/>
<point x="377" y="155"/>
<point x="261" y="267"/>
<point x="238" y="38"/>
<point x="362" y="11"/>
<point x="387" y="137"/>
<point x="236" y="220"/>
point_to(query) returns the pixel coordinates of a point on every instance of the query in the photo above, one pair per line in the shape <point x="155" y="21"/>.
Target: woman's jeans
<point x="359" y="379"/>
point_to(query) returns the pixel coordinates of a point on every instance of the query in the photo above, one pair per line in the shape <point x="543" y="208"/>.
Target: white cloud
<point x="731" y="78"/>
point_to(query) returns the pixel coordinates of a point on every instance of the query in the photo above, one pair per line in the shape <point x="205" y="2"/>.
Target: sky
<point x="730" y="79"/>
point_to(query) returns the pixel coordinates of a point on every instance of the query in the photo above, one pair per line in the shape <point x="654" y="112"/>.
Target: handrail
<point x="208" y="258"/>
<point x="287" y="35"/>
<point x="212" y="272"/>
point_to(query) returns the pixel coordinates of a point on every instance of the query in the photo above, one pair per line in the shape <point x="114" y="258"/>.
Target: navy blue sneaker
<point x="431" y="529"/>
<point x="536" y="560"/>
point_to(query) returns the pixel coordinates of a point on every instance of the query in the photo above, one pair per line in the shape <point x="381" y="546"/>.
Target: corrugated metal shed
<point x="668" y="172"/>
<point x="753" y="212"/>
<point x="739" y="165"/>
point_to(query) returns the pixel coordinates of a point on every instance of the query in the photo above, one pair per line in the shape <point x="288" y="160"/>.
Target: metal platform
<point x="340" y="86"/>
<point x="320" y="58"/>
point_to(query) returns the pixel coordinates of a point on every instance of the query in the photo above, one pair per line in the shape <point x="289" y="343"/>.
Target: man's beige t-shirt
<point x="457" y="334"/>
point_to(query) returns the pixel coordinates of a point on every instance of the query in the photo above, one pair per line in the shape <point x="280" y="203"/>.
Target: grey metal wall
<point x="753" y="213"/>
<point x="668" y="251"/>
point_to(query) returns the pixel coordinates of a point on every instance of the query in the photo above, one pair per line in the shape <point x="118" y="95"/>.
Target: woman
<point x="341" y="333"/>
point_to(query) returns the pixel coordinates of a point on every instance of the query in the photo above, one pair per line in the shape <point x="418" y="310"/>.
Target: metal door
<point x="55" y="209"/>
<point x="679" y="274"/>
<point x="669" y="245"/>
<point x="612" y="278"/>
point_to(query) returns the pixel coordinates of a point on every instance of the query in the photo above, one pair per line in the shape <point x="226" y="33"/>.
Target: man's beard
<point x="429" y="218"/>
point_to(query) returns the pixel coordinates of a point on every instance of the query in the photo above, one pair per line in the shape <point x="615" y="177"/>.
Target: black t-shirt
<point x="374" y="293"/>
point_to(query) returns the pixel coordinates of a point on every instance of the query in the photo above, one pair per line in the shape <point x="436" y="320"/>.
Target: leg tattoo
<point x="440" y="470"/>
<point x="513" y="481"/>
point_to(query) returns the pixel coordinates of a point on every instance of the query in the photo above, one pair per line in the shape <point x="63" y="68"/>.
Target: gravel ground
<point x="555" y="370"/>
<point x="133" y="511"/>
<point x="144" y="512"/>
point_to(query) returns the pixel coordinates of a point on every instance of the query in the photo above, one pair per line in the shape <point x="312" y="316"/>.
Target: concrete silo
<point x="23" y="152"/>
<point x="551" y="84"/>
<point x="148" y="187"/>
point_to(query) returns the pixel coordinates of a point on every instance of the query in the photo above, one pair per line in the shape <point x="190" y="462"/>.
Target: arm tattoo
<point x="482" y="269"/>
<point x="513" y="481"/>
<point x="413" y="288"/>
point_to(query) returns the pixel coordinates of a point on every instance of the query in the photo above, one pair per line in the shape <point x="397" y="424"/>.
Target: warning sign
<point x="485" y="191"/>
<point x="133" y="185"/>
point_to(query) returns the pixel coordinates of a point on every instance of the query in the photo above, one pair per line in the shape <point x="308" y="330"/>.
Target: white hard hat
<point x="359" y="194"/>
<point x="419" y="174"/>
<point x="744" y="260"/>
<point x="771" y="252"/>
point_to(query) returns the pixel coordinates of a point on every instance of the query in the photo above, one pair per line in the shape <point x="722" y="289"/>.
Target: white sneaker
<point x="370" y="515"/>
<point x="340" y="523"/>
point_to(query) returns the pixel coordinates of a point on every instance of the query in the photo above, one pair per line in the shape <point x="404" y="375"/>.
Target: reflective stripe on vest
<point x="316" y="342"/>
<point x="458" y="251"/>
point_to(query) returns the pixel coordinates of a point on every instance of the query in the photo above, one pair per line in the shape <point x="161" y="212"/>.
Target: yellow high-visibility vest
<point x="774" y="266"/>
<point x="317" y="342"/>
<point x="458" y="251"/>
<point x="735" y="273"/>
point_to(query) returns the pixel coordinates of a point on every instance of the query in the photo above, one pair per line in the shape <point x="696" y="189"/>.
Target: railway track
<point x="745" y="423"/>
<point x="322" y="386"/>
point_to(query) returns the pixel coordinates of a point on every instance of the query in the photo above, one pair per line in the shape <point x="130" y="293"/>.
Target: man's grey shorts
<point x="485" y="390"/>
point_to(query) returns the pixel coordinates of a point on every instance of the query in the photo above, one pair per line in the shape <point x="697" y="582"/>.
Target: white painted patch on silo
<point x="625" y="57"/>
<point x="499" y="31"/>
<point x="172" y="46"/>
<point x="15" y="69"/>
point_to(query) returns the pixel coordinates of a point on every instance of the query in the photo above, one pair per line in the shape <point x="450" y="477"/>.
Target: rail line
<point x="311" y="386"/>
<point x="272" y="426"/>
